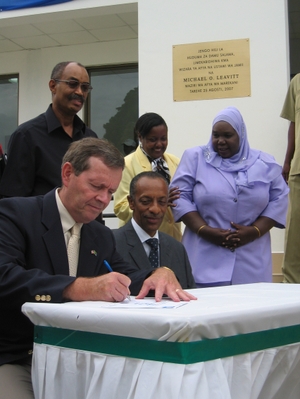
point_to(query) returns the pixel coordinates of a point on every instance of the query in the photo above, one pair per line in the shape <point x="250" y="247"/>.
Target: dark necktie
<point x="153" y="256"/>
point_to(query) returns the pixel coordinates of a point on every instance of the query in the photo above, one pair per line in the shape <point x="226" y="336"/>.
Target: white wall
<point x="163" y="24"/>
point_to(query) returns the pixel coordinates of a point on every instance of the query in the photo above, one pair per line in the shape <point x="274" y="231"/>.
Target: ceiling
<point x="51" y="31"/>
<point x="88" y="26"/>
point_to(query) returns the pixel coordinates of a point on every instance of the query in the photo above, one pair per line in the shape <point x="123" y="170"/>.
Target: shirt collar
<point x="53" y="123"/>
<point x="67" y="221"/>
<point x="143" y="236"/>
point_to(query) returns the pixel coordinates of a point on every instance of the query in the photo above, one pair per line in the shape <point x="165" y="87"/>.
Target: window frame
<point x="7" y="77"/>
<point x="108" y="68"/>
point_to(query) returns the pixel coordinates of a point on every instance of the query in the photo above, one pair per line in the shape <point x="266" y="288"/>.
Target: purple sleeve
<point x="278" y="203"/>
<point x="185" y="179"/>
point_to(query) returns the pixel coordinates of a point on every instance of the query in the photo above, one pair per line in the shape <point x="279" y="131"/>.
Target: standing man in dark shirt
<point x="36" y="148"/>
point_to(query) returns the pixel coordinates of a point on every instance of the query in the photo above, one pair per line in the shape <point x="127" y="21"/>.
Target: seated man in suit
<point x="35" y="233"/>
<point x="148" y="199"/>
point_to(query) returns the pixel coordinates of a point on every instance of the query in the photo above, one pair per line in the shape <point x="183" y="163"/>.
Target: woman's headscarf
<point x="251" y="165"/>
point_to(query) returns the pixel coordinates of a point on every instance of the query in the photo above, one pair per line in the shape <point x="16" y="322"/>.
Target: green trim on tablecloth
<point x="163" y="351"/>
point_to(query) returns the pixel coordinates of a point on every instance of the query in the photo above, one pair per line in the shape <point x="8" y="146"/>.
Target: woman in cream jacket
<point x="152" y="132"/>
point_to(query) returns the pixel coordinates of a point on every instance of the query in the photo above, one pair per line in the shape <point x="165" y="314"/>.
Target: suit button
<point x="48" y="298"/>
<point x="30" y="352"/>
<point x="37" y="297"/>
<point x="235" y="200"/>
<point x="43" y="298"/>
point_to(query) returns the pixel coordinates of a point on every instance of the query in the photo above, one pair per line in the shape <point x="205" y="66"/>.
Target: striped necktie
<point x="159" y="165"/>
<point x="73" y="249"/>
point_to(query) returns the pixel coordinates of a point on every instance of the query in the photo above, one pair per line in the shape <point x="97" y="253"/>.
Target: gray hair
<point x="59" y="68"/>
<point x="80" y="152"/>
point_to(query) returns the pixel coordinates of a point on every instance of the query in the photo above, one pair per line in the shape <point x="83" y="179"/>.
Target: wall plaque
<point x="203" y="71"/>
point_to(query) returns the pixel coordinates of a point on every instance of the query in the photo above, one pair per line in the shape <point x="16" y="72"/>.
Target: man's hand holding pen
<point x="109" y="268"/>
<point x="110" y="287"/>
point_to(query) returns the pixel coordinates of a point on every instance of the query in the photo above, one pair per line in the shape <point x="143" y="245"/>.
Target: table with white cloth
<point x="234" y="342"/>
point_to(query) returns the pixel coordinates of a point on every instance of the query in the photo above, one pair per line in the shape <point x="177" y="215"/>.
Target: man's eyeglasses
<point x="74" y="84"/>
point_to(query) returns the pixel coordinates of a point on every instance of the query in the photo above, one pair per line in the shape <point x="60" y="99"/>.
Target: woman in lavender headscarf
<point x="230" y="197"/>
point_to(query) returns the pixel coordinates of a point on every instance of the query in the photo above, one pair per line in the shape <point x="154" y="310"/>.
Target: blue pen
<point x="108" y="267"/>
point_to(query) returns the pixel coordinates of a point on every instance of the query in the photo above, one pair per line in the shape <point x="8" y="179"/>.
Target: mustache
<point x="76" y="97"/>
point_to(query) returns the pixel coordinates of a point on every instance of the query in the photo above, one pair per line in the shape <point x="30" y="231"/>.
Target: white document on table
<point x="147" y="303"/>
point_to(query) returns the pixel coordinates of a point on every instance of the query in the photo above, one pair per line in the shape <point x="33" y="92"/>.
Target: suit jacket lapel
<point x="165" y="250"/>
<point x="142" y="161"/>
<point x="54" y="237"/>
<point x="136" y="249"/>
<point x="88" y="253"/>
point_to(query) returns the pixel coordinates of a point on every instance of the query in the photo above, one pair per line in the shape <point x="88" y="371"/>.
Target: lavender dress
<point x="239" y="189"/>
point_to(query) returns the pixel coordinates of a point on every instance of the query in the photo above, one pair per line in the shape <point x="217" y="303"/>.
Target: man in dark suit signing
<point x="148" y="199"/>
<point x="35" y="233"/>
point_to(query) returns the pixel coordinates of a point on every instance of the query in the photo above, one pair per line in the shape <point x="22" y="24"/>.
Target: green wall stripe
<point x="163" y="351"/>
